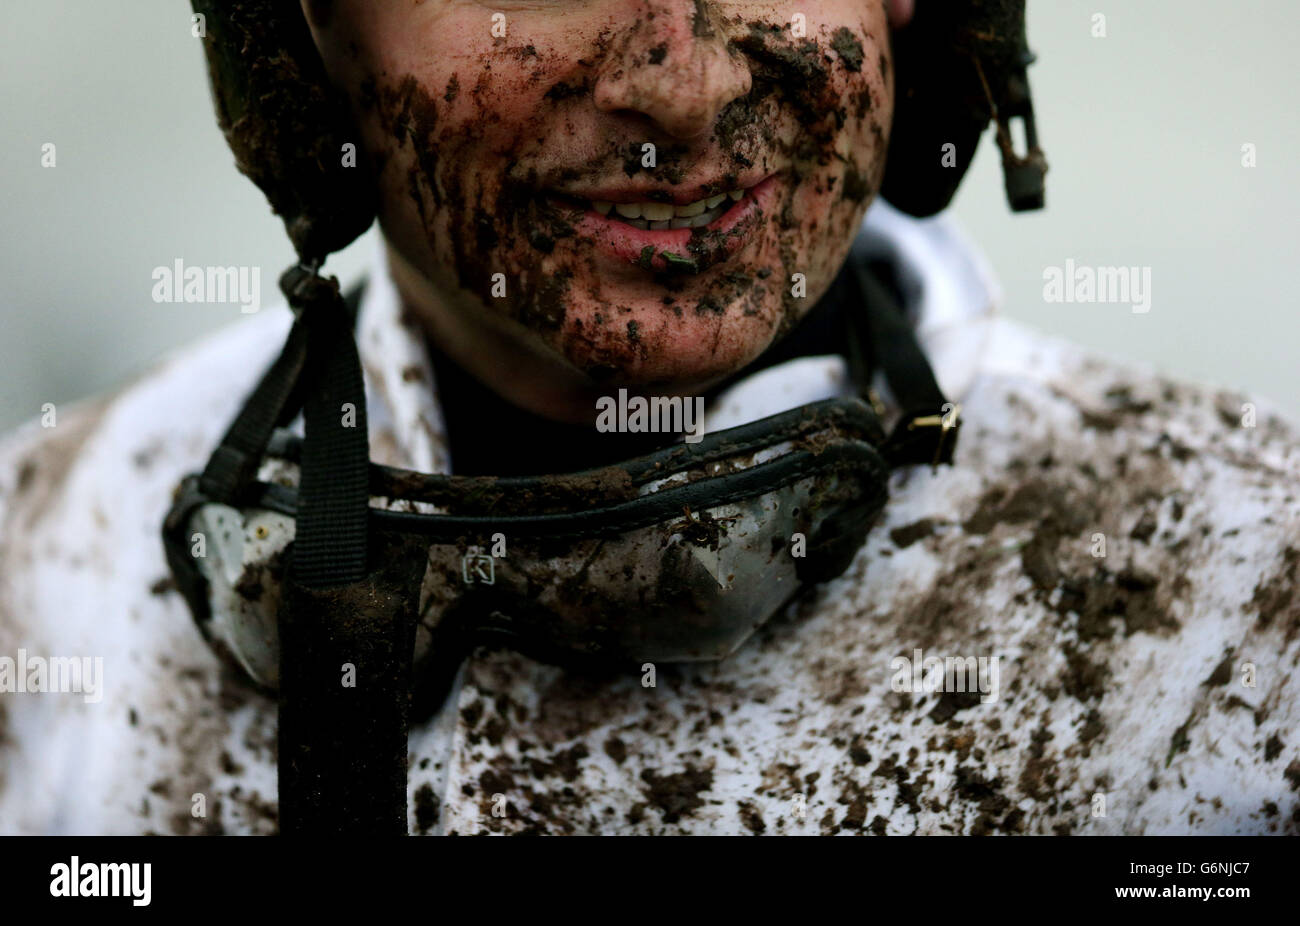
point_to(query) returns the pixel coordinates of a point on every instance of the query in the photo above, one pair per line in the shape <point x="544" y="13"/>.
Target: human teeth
<point x="704" y="218"/>
<point x="660" y="216"/>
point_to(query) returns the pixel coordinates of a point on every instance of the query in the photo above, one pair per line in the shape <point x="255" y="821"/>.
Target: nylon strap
<point x="333" y="489"/>
<point x="234" y="463"/>
<point x="345" y="643"/>
<point x="345" y="674"/>
<point x="926" y="431"/>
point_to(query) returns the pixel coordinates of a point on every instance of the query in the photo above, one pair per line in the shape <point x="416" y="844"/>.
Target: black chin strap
<point x="333" y="490"/>
<point x="345" y="648"/>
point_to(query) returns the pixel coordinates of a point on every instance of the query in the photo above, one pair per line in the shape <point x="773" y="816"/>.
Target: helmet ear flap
<point x="287" y="126"/>
<point x="957" y="66"/>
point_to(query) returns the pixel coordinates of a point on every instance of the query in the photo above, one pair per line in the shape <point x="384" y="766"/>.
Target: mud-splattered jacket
<point x="1126" y="547"/>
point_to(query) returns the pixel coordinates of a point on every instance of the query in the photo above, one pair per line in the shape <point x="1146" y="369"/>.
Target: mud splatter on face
<point x="494" y="151"/>
<point x="848" y="47"/>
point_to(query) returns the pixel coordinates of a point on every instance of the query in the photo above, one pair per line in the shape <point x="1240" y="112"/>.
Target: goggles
<point x="677" y="555"/>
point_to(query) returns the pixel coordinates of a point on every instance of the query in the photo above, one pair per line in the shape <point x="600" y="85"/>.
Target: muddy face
<point x="608" y="193"/>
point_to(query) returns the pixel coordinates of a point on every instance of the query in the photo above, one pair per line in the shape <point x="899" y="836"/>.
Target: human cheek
<point x="834" y="89"/>
<point x="448" y="141"/>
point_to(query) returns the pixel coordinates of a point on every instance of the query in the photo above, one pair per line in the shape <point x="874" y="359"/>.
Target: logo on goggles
<point x="477" y="566"/>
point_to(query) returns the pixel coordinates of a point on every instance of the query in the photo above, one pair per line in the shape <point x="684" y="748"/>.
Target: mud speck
<point x="426" y="808"/>
<point x="848" y="47"/>
<point x="616" y="749"/>
<point x="907" y="535"/>
<point x="677" y="795"/>
<point x="752" y="818"/>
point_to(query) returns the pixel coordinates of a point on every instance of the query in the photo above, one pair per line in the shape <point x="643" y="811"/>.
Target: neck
<point x="495" y="351"/>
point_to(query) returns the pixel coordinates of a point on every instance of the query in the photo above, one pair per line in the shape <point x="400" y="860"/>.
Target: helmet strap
<point x="345" y="646"/>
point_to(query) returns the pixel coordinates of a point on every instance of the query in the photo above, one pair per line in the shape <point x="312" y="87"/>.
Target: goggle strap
<point x="926" y="431"/>
<point x="273" y="403"/>
<point x="234" y="463"/>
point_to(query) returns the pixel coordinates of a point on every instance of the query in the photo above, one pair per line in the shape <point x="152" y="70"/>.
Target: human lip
<point x="681" y="194"/>
<point x="621" y="227"/>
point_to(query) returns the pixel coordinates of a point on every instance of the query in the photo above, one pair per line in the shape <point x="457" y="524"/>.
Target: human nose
<point x="672" y="65"/>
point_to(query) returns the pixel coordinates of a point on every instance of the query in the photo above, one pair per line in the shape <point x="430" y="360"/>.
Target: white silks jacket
<point x="1119" y="546"/>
